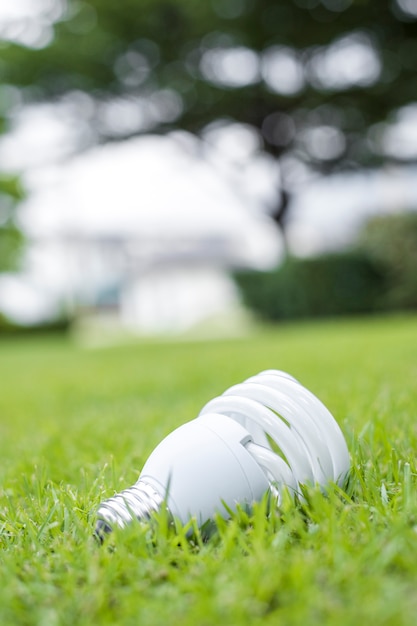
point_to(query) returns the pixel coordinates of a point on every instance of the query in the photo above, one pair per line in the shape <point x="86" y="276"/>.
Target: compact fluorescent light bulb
<point x="264" y="435"/>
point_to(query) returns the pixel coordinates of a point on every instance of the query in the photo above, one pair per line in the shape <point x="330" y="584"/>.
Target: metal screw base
<point x="139" y="501"/>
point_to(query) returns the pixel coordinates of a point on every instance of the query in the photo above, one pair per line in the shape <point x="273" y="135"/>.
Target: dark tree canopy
<point x="318" y="80"/>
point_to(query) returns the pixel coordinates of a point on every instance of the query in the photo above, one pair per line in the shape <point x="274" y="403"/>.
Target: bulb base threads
<point x="139" y="501"/>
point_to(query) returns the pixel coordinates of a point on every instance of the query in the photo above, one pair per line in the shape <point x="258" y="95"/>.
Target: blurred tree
<point x="11" y="237"/>
<point x="319" y="82"/>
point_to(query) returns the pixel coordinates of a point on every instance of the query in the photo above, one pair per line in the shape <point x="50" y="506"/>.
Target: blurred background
<point x="170" y="166"/>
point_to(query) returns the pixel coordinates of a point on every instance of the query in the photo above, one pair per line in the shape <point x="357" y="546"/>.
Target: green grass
<point x="77" y="425"/>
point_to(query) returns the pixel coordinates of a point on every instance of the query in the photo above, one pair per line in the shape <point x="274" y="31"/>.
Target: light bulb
<point x="266" y="434"/>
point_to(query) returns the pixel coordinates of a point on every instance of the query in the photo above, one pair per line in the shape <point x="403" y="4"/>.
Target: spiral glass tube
<point x="295" y="439"/>
<point x="265" y="434"/>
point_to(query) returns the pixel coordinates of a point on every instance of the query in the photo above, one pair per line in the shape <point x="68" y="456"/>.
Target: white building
<point x="144" y="233"/>
<point x="158" y="284"/>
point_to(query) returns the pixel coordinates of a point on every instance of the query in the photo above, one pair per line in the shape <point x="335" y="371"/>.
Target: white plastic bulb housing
<point x="264" y="435"/>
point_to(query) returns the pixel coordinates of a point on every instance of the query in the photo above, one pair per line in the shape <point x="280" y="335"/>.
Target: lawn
<point x="77" y="425"/>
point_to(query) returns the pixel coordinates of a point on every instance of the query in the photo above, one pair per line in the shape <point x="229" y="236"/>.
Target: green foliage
<point x="11" y="237"/>
<point x="391" y="241"/>
<point x="78" y="424"/>
<point x="11" y="242"/>
<point x="331" y="284"/>
<point x="10" y="328"/>
<point x="11" y="187"/>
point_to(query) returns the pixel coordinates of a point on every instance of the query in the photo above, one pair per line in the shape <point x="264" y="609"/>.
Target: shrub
<point x="391" y="242"/>
<point x="327" y="285"/>
<point x="8" y="328"/>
